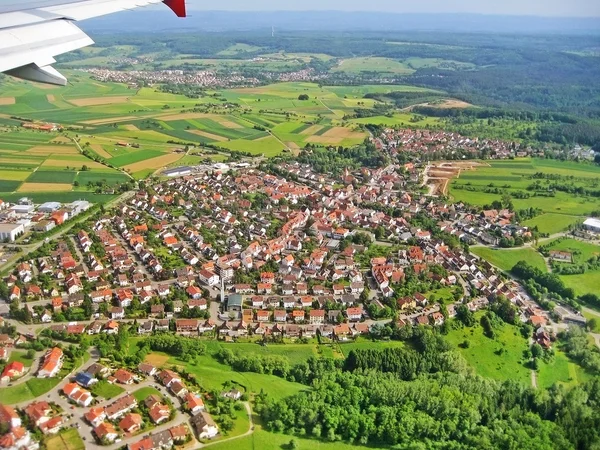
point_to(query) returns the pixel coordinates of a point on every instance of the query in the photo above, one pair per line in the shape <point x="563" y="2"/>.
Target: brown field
<point x="7" y="100"/>
<point x="61" y="140"/>
<point x="53" y="150"/>
<point x="50" y="97"/>
<point x="214" y="137"/>
<point x="451" y="103"/>
<point x="131" y="127"/>
<point x="335" y="136"/>
<point x="95" y="101"/>
<point x="441" y="173"/>
<point x="100" y="151"/>
<point x="227" y="123"/>
<point x="156" y="359"/>
<point x="22" y="159"/>
<point x="111" y="120"/>
<point x="45" y="187"/>
<point x="311" y="130"/>
<point x="64" y="163"/>
<point x="344" y="133"/>
<point x="154" y="163"/>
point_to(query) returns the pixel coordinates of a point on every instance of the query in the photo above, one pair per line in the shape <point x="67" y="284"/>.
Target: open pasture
<point x="374" y="64"/>
<point x="516" y="177"/>
<point x="506" y="259"/>
<point x="552" y="223"/>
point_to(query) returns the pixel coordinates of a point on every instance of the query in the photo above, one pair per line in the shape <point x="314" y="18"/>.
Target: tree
<point x="303" y="97"/>
<point x="293" y="444"/>
<point x="536" y="350"/>
<point x="592" y="324"/>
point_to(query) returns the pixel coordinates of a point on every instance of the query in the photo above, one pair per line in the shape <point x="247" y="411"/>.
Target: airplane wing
<point x="31" y="38"/>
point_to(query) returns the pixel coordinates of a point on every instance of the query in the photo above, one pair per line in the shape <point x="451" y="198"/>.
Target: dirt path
<point x="534" y="379"/>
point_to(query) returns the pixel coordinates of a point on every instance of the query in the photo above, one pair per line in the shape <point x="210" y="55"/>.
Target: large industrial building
<point x="592" y="225"/>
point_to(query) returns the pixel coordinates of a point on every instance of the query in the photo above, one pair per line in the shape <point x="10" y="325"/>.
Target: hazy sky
<point x="569" y="8"/>
<point x="564" y="8"/>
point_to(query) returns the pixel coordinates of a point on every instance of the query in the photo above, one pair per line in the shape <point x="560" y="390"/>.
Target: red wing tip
<point x="177" y="6"/>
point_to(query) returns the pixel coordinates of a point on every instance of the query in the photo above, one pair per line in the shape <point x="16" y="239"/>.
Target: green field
<point x="65" y="440"/>
<point x="483" y="356"/>
<point x="20" y="357"/>
<point x="506" y="259"/>
<point x="145" y="392"/>
<point x="108" y="113"/>
<point x="588" y="282"/>
<point x="516" y="176"/>
<point x="561" y="370"/>
<point x="373" y="64"/>
<point x="106" y="390"/>
<point x="264" y="440"/>
<point x="551" y="223"/>
<point x="32" y="388"/>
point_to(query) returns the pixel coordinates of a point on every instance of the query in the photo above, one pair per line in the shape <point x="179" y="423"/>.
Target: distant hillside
<point x="161" y="20"/>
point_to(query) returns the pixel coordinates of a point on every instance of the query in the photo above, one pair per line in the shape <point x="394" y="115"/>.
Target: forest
<point x="428" y="398"/>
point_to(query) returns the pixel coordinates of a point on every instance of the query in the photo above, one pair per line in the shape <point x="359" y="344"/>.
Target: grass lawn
<point x="264" y="440"/>
<point x="482" y="353"/>
<point x="211" y="374"/>
<point x="551" y="223"/>
<point x="21" y="357"/>
<point x="506" y="259"/>
<point x="561" y="370"/>
<point x="582" y="251"/>
<point x="294" y="352"/>
<point x="584" y="283"/>
<point x="145" y="392"/>
<point x="66" y="440"/>
<point x="29" y="390"/>
<point x="106" y="390"/>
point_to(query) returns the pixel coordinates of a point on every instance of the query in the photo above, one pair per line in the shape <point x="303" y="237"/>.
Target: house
<point x="106" y="432"/>
<point x="354" y="314"/>
<point x="147" y="369"/>
<point x="178" y="389"/>
<point x="51" y="363"/>
<point x="187" y="326"/>
<point x="95" y="416"/>
<point x="316" y="316"/>
<point x="117" y="312"/>
<point x="298" y="315"/>
<point x="209" y="278"/>
<point x="131" y="423"/>
<point x="204" y="425"/>
<point x="77" y="394"/>
<point x="159" y="413"/>
<point x="194" y="403"/>
<point x="262" y="316"/>
<point x="120" y="407"/>
<point x="168" y="377"/>
<point x="9" y="416"/>
<point x="233" y="394"/>
<point x="12" y="370"/>
<point x="51" y="426"/>
<point x="124" y="377"/>
<point x="280" y="315"/>
<point x="85" y="379"/>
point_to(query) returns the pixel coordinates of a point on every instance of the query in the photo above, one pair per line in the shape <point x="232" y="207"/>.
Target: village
<point x="237" y="253"/>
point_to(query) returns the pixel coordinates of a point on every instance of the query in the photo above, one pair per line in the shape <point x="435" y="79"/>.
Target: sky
<point x="555" y="8"/>
<point x="552" y="8"/>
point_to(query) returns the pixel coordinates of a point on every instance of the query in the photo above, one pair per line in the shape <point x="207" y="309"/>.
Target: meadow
<point x="506" y="259"/>
<point x="500" y="359"/>
<point x="517" y="175"/>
